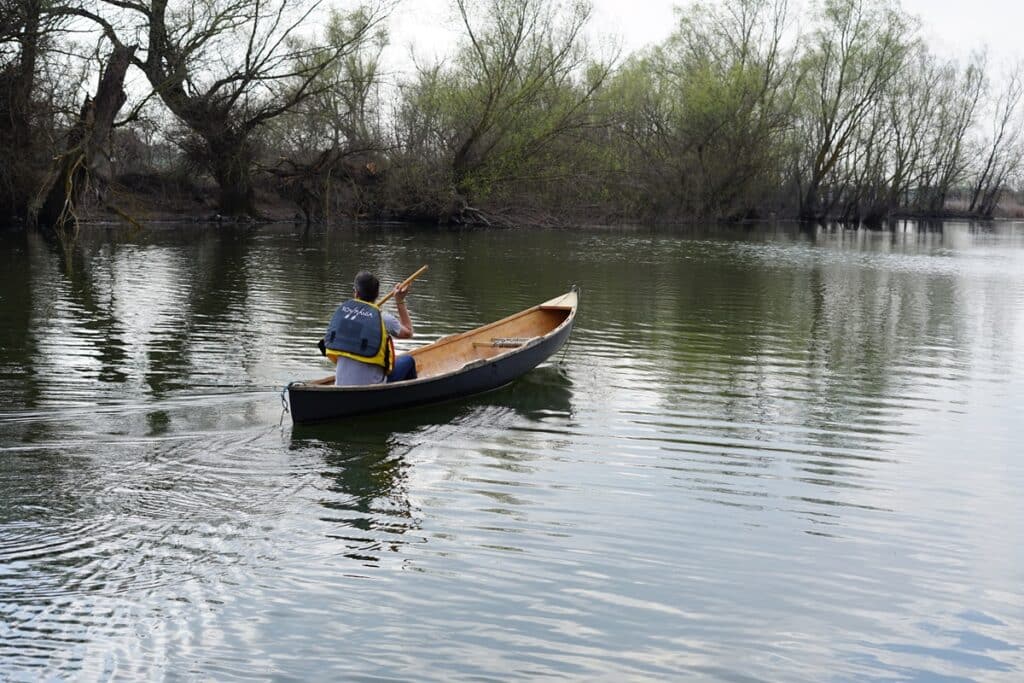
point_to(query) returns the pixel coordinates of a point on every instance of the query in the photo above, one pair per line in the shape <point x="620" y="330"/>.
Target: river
<point x="765" y="454"/>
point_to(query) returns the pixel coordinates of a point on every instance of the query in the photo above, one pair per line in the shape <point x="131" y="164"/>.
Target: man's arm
<point x="403" y="312"/>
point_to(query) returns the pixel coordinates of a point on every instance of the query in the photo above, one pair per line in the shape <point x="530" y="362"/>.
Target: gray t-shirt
<point x="351" y="372"/>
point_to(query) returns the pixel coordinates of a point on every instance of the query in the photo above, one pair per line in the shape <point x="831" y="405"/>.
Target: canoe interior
<point x="454" y="352"/>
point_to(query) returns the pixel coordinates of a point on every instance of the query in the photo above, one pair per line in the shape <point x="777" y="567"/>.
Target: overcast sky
<point x="953" y="28"/>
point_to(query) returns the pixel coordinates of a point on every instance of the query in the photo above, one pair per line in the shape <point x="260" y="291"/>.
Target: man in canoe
<point x="359" y="338"/>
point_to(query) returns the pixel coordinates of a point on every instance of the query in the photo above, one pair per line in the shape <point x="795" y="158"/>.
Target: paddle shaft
<point x="405" y="282"/>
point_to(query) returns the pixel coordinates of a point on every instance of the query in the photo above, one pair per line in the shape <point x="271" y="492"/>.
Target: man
<point x="359" y="337"/>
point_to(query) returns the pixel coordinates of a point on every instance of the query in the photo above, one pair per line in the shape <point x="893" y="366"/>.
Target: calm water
<point x="765" y="455"/>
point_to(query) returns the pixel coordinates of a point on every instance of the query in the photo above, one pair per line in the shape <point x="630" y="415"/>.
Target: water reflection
<point x="367" y="465"/>
<point x="798" y="444"/>
<point x="367" y="497"/>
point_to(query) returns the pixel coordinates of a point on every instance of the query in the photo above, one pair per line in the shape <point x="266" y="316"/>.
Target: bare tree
<point x="24" y="28"/>
<point x="227" y="67"/>
<point x="858" y="48"/>
<point x="74" y="171"/>
<point x="1004" y="146"/>
<point x="956" y="108"/>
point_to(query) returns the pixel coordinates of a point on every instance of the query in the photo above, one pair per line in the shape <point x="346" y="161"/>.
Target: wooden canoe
<point x="458" y="365"/>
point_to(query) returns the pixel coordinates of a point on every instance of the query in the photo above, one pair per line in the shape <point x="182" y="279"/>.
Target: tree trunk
<point x="809" y="204"/>
<point x="231" y="160"/>
<point x="17" y="83"/>
<point x="24" y="78"/>
<point x="65" y="185"/>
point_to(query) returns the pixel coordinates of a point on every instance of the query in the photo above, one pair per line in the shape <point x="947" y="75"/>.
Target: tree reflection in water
<point x="367" y="469"/>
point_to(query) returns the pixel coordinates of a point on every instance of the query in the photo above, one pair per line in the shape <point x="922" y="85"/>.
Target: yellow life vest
<point x="357" y="331"/>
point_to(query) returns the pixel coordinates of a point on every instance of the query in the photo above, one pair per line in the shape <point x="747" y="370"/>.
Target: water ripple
<point x="794" y="457"/>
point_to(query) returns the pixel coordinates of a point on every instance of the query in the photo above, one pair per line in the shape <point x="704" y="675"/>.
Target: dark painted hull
<point x="313" y="403"/>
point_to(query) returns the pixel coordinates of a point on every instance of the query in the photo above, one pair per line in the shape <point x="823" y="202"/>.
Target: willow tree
<point x="734" y="81"/>
<point x="856" y="50"/>
<point x="643" y="167"/>
<point x="929" y="112"/>
<point x="957" y="102"/>
<point x="910" y="110"/>
<point x="886" y="158"/>
<point x="521" y="83"/>
<point x="226" y="68"/>
<point x="1003" y="146"/>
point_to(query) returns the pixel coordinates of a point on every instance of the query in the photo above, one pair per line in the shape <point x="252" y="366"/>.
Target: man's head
<point x="367" y="286"/>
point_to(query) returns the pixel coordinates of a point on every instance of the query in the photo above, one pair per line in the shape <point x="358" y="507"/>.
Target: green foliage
<point x="708" y="110"/>
<point x="520" y="85"/>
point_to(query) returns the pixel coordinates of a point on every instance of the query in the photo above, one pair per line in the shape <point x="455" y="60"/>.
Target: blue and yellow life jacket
<point x="357" y="331"/>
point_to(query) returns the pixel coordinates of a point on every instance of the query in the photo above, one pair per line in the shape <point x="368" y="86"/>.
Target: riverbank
<point x="168" y="199"/>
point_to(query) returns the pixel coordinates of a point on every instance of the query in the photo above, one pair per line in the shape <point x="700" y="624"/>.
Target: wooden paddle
<point x="405" y="282"/>
<point x="323" y="347"/>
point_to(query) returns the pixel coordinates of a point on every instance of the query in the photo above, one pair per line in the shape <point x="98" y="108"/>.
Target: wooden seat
<point x="503" y="342"/>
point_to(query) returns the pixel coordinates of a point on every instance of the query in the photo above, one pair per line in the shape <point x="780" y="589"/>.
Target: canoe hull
<point x="311" y="403"/>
